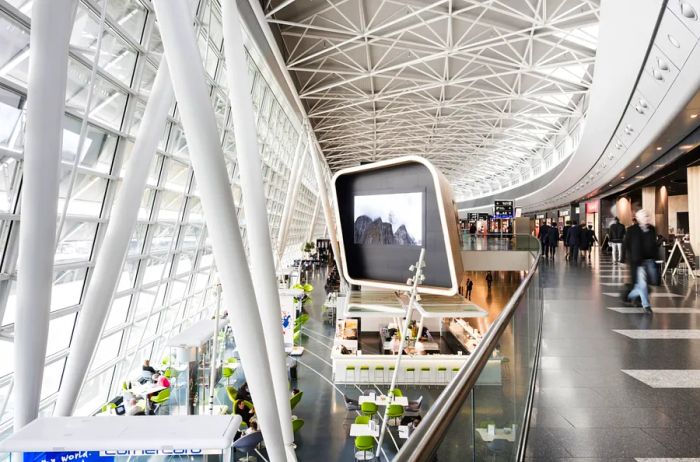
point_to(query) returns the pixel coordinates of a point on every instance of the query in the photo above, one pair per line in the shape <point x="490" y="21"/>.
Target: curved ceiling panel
<point x="485" y="90"/>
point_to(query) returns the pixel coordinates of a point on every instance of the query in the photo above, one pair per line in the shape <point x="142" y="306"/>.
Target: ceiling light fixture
<point x="659" y="148"/>
<point x="692" y="116"/>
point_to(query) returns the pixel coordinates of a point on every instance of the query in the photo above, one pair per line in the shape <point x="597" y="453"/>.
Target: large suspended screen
<point x="389" y="219"/>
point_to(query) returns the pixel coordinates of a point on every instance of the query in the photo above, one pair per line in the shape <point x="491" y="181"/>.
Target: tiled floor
<point x="609" y="377"/>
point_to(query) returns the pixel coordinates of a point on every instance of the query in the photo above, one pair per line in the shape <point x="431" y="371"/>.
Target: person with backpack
<point x="640" y="253"/>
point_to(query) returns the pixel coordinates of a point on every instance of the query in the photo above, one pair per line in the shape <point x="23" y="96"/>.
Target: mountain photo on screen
<point x="389" y="219"/>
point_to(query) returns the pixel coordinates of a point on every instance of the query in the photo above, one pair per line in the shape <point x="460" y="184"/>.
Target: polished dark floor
<point x="585" y="407"/>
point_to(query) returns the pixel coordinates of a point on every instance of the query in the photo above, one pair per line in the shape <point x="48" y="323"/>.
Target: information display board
<point x="681" y="252"/>
<point x="472" y="217"/>
<point x="503" y="209"/>
<point x="483" y="216"/>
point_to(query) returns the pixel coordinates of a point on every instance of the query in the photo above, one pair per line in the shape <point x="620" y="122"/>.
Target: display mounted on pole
<point x="503" y="209"/>
<point x="387" y="212"/>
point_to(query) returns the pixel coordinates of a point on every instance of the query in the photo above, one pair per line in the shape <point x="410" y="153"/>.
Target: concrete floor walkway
<point x="615" y="384"/>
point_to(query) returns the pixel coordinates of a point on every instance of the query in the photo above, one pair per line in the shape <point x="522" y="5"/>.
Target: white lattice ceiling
<point x="478" y="87"/>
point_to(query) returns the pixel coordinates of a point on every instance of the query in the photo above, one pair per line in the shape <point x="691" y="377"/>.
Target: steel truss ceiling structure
<point x="483" y="89"/>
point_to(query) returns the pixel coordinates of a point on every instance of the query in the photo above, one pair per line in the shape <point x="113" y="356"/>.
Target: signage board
<point x="564" y="213"/>
<point x="503" y="209"/>
<point x="681" y="252"/>
<point x="483" y="216"/>
<point x="472" y="217"/>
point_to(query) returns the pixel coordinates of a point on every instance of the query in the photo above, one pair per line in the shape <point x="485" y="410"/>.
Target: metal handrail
<point x="433" y="427"/>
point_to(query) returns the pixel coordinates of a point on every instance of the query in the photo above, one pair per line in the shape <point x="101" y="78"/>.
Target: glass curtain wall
<point x="168" y="277"/>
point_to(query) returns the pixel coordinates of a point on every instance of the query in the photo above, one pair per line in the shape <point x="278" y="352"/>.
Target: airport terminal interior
<point x="349" y="230"/>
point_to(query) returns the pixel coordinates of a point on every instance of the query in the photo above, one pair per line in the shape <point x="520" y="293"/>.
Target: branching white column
<point x="325" y="201"/>
<point x="207" y="159"/>
<point x="111" y="256"/>
<point x="255" y="205"/>
<point x="52" y="23"/>
<point x="314" y="217"/>
<point x="292" y="188"/>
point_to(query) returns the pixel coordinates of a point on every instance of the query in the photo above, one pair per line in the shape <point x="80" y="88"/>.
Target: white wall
<point x="676" y="204"/>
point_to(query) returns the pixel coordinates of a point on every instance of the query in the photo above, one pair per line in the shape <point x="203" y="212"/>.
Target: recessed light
<point x="622" y="177"/>
<point x="637" y="166"/>
<point x="692" y="116"/>
<point x="659" y="148"/>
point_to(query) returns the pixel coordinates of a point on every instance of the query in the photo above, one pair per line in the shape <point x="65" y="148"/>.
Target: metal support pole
<point x="214" y="351"/>
<point x="254" y="202"/>
<point x="108" y="267"/>
<point x="207" y="157"/>
<point x="314" y="217"/>
<point x="327" y="208"/>
<point x="288" y="210"/>
<point x="52" y="23"/>
<point x="417" y="279"/>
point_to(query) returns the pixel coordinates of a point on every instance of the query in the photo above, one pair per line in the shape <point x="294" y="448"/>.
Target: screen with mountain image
<point x="389" y="219"/>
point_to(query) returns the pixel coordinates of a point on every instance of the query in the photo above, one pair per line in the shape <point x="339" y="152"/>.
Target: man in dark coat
<point x="553" y="240"/>
<point x="640" y="253"/>
<point x="565" y="235"/>
<point x="616" y="235"/>
<point x="544" y="239"/>
<point x="573" y="238"/>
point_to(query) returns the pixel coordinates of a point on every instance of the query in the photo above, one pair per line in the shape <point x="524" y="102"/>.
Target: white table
<point x="403" y="432"/>
<point x="363" y="430"/>
<point x="500" y="434"/>
<point x="147" y="389"/>
<point x="383" y="400"/>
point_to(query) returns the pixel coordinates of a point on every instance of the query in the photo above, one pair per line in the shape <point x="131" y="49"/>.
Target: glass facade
<point x="167" y="278"/>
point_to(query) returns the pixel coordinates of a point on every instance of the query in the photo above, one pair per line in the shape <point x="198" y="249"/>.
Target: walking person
<point x="470" y="286"/>
<point x="591" y="239"/>
<point x="584" y="242"/>
<point x="489" y="279"/>
<point x="616" y="235"/>
<point x="640" y="252"/>
<point x="573" y="238"/>
<point x="553" y="240"/>
<point x="544" y="239"/>
<point x="564" y="237"/>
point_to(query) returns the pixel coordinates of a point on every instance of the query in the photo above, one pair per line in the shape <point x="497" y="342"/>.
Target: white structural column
<point x="111" y="256"/>
<point x="314" y="217"/>
<point x="289" y="200"/>
<point x="207" y="157"/>
<point x="52" y="23"/>
<point x="255" y="205"/>
<point x="325" y="201"/>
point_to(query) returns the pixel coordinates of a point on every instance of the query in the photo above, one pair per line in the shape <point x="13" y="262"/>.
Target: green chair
<point x="297" y="424"/>
<point x="369" y="409"/>
<point x="227" y="372"/>
<point x="350" y="370"/>
<point x="441" y="374"/>
<point x="395" y="411"/>
<point x="377" y="370"/>
<point x="232" y="394"/>
<point x="170" y="373"/>
<point x="364" y="444"/>
<point x="232" y="360"/>
<point x="362" y="420"/>
<point x="412" y="371"/>
<point x="297" y="336"/>
<point x="108" y="408"/>
<point x="294" y="400"/>
<point x="364" y="374"/>
<point x="396" y="392"/>
<point x="425" y="375"/>
<point x="162" y="397"/>
<point x="308" y="288"/>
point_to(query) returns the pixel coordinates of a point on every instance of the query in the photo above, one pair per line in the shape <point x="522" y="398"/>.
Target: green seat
<point x="297" y="336"/>
<point x="170" y="373"/>
<point x="396" y="392"/>
<point x="297" y="424"/>
<point x="108" y="407"/>
<point x="227" y="372"/>
<point x="231" y="360"/>
<point x="395" y="411"/>
<point x="364" y="444"/>
<point x="162" y="397"/>
<point x="362" y="420"/>
<point x="368" y="409"/>
<point x="294" y="400"/>
<point x="232" y="394"/>
<point x="308" y="288"/>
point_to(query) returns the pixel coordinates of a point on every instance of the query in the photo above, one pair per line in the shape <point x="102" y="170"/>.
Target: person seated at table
<point x="295" y="391"/>
<point x="252" y="428"/>
<point x="244" y="393"/>
<point x="161" y="380"/>
<point x="147" y="367"/>
<point x="414" y="423"/>
<point x="395" y="344"/>
<point x="242" y="410"/>
<point x="135" y="408"/>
